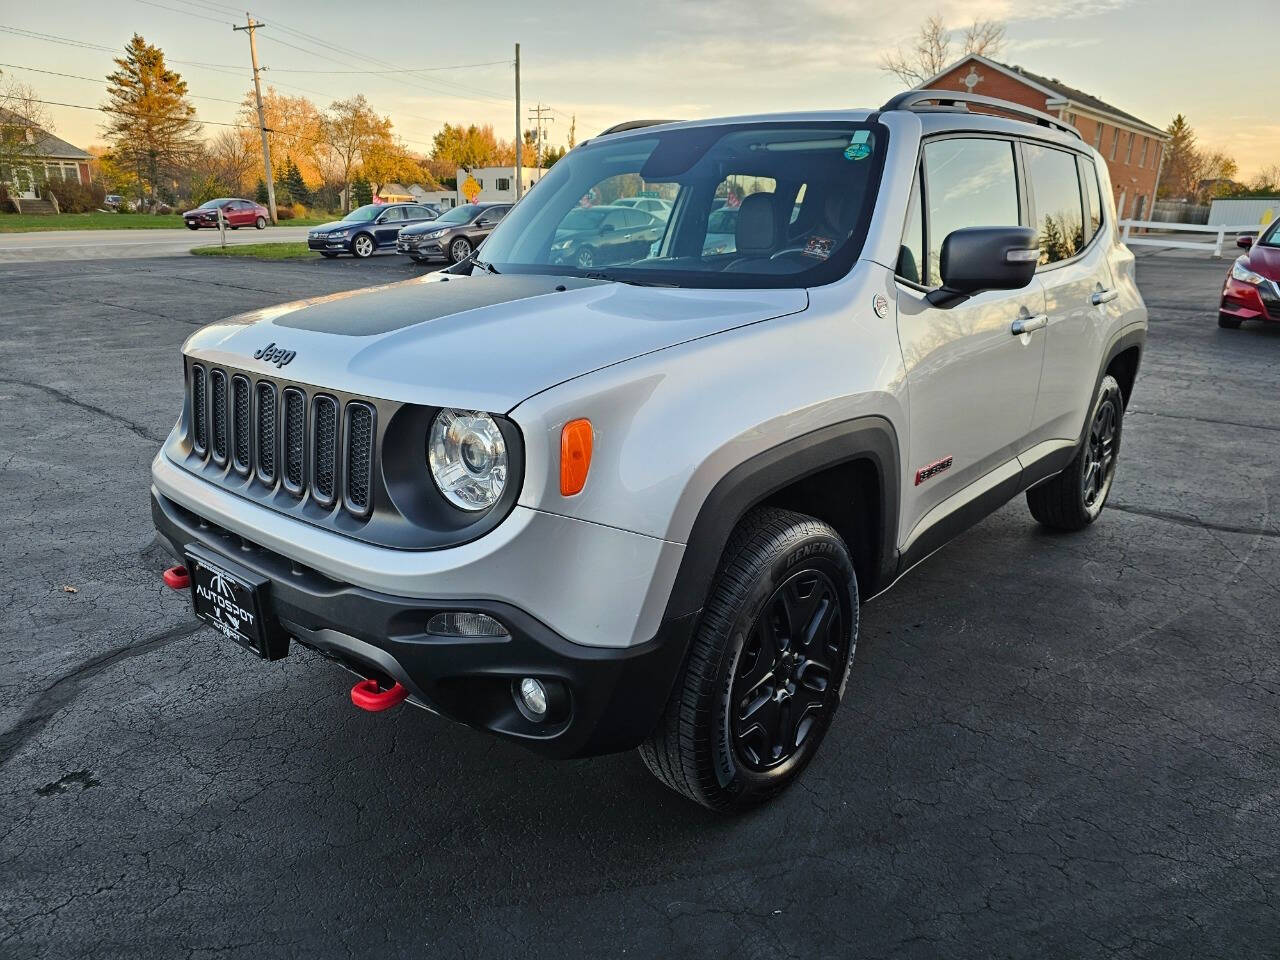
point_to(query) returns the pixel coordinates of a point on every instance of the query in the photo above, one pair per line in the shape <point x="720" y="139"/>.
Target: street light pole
<point x="262" y="117"/>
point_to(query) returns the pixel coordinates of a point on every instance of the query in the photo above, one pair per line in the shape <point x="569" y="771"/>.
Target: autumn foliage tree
<point x="151" y="125"/>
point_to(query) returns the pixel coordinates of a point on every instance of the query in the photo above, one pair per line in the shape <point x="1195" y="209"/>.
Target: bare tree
<point x="932" y="51"/>
<point x="22" y="117"/>
<point x="350" y="128"/>
<point x="234" y="158"/>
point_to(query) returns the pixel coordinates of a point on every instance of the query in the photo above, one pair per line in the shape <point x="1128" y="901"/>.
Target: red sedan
<point x="1252" y="291"/>
<point x="237" y="213"/>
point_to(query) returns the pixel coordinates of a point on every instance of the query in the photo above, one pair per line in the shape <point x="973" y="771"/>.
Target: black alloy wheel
<point x="783" y="685"/>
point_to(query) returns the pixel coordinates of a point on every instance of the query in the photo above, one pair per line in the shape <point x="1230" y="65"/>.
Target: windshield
<point x="462" y="214"/>
<point x="1272" y="237"/>
<point x="367" y="212"/>
<point x="210" y="204"/>
<point x="741" y="205"/>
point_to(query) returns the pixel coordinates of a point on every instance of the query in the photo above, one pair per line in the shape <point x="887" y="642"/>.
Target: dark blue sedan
<point x="367" y="229"/>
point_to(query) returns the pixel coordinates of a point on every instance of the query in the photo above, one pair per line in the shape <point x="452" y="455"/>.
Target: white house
<point x="44" y="157"/>
<point x="496" y="183"/>
<point x="444" y="199"/>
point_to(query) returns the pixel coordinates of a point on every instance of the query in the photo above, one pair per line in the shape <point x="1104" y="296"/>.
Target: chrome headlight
<point x="468" y="458"/>
<point x="1242" y="273"/>
<point x="434" y="235"/>
<point x="337" y="234"/>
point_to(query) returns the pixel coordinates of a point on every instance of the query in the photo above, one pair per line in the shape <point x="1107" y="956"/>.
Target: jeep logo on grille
<point x="273" y="354"/>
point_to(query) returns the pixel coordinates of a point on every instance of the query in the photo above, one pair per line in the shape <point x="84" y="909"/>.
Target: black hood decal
<point x="384" y="309"/>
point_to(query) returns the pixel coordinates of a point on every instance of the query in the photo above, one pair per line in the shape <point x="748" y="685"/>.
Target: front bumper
<point x="1247" y="301"/>
<point x="615" y="696"/>
<point x="328" y="243"/>
<point x="426" y="250"/>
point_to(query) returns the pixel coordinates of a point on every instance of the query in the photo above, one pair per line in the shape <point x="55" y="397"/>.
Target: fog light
<point x="533" y="698"/>
<point x="463" y="623"/>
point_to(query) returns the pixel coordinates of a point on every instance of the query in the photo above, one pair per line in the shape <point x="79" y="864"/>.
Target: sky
<point x="604" y="61"/>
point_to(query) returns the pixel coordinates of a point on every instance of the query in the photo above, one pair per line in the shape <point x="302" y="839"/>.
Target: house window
<point x="1128" y="156"/>
<point x="1142" y="160"/>
<point x="504" y="183"/>
<point x="1115" y="141"/>
<point x="1097" y="136"/>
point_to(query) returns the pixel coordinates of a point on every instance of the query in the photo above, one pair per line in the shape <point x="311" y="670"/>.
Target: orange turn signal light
<point x="575" y="456"/>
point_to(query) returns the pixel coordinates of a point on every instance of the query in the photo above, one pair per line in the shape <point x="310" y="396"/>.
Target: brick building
<point x="1132" y="148"/>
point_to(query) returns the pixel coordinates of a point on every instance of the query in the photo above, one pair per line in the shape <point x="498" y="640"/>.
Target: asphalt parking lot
<point x="1060" y="746"/>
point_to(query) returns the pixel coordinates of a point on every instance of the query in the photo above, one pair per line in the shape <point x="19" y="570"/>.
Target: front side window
<point x="1055" y="197"/>
<point x="394" y="215"/>
<point x="968" y="183"/>
<point x="757" y="170"/>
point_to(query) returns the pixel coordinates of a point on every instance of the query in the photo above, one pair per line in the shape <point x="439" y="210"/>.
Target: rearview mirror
<point x="976" y="259"/>
<point x="1244" y="243"/>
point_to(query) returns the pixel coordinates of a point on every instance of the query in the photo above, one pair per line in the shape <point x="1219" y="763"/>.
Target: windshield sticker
<point x="819" y="247"/>
<point x="858" y="148"/>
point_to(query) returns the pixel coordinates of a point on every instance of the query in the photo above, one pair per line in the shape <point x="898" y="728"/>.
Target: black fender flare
<point x="753" y="481"/>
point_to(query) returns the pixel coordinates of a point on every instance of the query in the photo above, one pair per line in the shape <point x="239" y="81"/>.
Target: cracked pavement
<point x="1052" y="745"/>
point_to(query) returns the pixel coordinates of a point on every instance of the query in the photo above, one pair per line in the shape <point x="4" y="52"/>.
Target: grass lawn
<point x="25" y="223"/>
<point x="259" y="251"/>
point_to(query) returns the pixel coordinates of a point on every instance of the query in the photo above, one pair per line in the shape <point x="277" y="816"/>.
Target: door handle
<point x="1029" y="324"/>
<point x="1103" y="296"/>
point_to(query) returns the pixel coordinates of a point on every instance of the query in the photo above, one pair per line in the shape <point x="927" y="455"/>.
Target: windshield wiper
<point x="598" y="275"/>
<point x="486" y="267"/>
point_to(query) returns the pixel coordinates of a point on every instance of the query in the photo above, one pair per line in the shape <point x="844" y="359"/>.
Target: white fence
<point x="1161" y="238"/>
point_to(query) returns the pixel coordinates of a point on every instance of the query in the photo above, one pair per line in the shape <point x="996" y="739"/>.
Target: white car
<point x="591" y="507"/>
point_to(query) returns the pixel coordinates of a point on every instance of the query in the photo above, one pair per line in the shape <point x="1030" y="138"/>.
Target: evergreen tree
<point x="149" y="121"/>
<point x="260" y="193"/>
<point x="361" y="192"/>
<point x="297" y="187"/>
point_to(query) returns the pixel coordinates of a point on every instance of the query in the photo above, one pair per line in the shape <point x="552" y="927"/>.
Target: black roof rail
<point x="951" y="100"/>
<point x="632" y="125"/>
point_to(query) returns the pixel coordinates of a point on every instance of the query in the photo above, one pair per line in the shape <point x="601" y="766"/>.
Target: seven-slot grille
<point x="282" y="436"/>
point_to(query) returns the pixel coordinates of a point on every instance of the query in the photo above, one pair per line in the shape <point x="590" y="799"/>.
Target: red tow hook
<point x="177" y="578"/>
<point x="367" y="695"/>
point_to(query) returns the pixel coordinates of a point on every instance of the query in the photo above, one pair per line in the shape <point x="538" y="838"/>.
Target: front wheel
<point x="261" y="223"/>
<point x="459" y="250"/>
<point x="362" y="246"/>
<point x="767" y="667"/>
<point x="585" y="259"/>
<point x="1073" y="499"/>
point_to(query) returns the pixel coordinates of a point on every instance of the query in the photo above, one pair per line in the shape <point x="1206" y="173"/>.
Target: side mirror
<point x="976" y="259"/>
<point x="1245" y="243"/>
<point x="607" y="228"/>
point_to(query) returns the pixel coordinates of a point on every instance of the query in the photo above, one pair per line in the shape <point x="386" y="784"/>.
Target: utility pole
<point x="262" y="117"/>
<point x="519" y="134"/>
<point x="540" y="115"/>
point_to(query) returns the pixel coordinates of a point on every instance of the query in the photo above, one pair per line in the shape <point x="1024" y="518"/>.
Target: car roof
<point x="933" y="120"/>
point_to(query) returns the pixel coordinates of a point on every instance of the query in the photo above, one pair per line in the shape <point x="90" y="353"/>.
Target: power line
<point x="73" y="76"/>
<point x="454" y="66"/>
<point x="67" y="41"/>
<point x="152" y="3"/>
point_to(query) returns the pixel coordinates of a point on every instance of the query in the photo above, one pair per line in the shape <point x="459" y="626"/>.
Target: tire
<point x="232" y="226"/>
<point x="328" y="255"/>
<point x="584" y="259"/>
<point x="1075" y="497"/>
<point x="362" y="246"/>
<point x="459" y="249"/>
<point x="780" y="569"/>
<point x="1227" y="322"/>
<point x="261" y="223"/>
<point x="193" y="226"/>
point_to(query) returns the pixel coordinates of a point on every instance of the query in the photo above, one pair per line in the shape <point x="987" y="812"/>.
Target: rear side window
<point x="1055" y="198"/>
<point x="1089" y="175"/>
<point x="968" y="183"/>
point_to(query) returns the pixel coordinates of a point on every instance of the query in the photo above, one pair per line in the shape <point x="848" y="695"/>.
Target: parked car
<point x="592" y="236"/>
<point x="1252" y="289"/>
<point x="237" y="213"/>
<point x="660" y="208"/>
<point x="112" y="201"/>
<point x="454" y="235"/>
<point x="367" y="229"/>
<point x="589" y="508"/>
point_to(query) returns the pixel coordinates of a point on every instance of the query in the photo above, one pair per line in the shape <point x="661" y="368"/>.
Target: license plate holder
<point x="233" y="600"/>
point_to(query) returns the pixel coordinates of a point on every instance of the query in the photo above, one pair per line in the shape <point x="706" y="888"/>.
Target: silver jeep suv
<point x="640" y="503"/>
